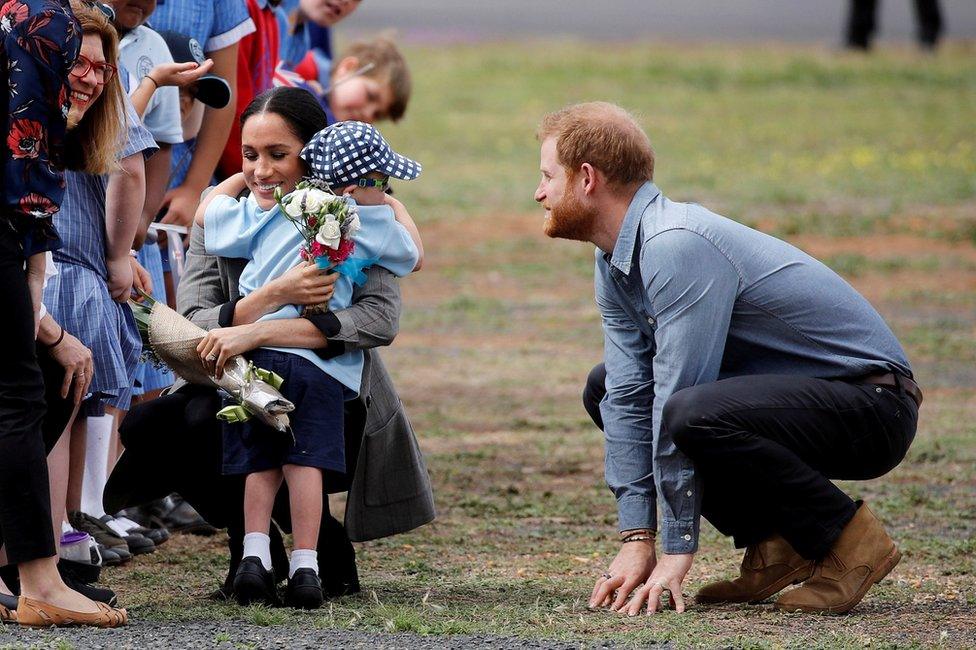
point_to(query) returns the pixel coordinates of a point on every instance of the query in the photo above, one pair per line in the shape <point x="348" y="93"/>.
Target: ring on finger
<point x="607" y="576"/>
<point x="211" y="357"/>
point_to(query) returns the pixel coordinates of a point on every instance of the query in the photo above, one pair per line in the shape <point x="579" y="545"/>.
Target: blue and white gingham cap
<point x="344" y="152"/>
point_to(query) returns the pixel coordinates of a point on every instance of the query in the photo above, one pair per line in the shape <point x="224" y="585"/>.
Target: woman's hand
<point x="179" y="74"/>
<point x="305" y="284"/>
<point x="141" y="280"/>
<point x="76" y="360"/>
<point x="219" y="345"/>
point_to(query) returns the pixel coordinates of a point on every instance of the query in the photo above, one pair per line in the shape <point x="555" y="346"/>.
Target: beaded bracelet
<point x="638" y="538"/>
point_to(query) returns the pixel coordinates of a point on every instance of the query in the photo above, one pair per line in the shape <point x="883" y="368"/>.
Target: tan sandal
<point x="35" y="613"/>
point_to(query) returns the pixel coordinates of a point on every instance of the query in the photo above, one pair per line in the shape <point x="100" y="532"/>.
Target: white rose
<point x="329" y="232"/>
<point x="315" y="199"/>
<point x="293" y="208"/>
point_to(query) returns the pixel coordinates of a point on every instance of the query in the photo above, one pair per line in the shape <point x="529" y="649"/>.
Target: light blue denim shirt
<point x="689" y="297"/>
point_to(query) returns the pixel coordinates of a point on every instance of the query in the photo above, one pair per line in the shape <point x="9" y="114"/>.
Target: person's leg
<point x="77" y="446"/>
<point x="306" y="504"/>
<point x="771" y="443"/>
<point x="861" y="23"/>
<point x="929" y="17"/>
<point x="57" y="465"/>
<point x="260" y="489"/>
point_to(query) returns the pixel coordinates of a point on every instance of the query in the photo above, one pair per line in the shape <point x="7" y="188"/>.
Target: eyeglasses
<point x="103" y="71"/>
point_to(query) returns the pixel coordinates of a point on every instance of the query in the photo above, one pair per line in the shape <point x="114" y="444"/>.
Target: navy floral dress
<point x="39" y="42"/>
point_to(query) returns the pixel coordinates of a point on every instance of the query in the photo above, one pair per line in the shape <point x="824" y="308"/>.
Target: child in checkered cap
<point x="354" y="159"/>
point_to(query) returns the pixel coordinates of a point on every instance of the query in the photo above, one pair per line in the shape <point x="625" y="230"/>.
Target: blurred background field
<point x="868" y="163"/>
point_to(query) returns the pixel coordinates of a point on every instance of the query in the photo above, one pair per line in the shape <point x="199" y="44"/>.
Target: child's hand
<point x="179" y="74"/>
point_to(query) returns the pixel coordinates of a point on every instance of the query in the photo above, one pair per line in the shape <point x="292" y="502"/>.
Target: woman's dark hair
<point x="297" y="107"/>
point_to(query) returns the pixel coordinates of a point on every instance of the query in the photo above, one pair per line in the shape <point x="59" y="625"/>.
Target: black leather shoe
<point x="339" y="586"/>
<point x="254" y="584"/>
<point x="178" y="516"/>
<point x="138" y="544"/>
<point x="304" y="590"/>
<point x="100" y="594"/>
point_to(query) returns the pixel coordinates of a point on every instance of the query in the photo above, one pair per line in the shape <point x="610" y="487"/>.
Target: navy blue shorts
<point x="317" y="422"/>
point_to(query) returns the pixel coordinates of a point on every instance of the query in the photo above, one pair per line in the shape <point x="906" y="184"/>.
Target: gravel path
<point x="230" y="635"/>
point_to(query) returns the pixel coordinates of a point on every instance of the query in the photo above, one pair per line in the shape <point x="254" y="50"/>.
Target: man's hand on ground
<point x="668" y="575"/>
<point x="634" y="562"/>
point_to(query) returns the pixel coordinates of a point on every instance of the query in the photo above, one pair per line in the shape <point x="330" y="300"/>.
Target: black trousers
<point x="862" y="22"/>
<point x="25" y="499"/>
<point x="174" y="444"/>
<point x="767" y="447"/>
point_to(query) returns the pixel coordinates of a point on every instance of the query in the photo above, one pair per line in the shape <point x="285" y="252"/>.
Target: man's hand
<point x="219" y="345"/>
<point x="305" y="284"/>
<point x="76" y="360"/>
<point x="119" y="278"/>
<point x="668" y="575"/>
<point x="35" y="285"/>
<point x="141" y="280"/>
<point x="634" y="562"/>
<point x="180" y="204"/>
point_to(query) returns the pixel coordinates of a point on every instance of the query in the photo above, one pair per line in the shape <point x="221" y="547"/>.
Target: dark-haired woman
<point x="393" y="496"/>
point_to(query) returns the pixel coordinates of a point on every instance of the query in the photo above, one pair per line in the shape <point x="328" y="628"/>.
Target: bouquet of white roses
<point x="326" y="222"/>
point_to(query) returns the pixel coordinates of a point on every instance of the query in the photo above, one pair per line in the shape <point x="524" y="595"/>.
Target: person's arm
<point x="692" y="287"/>
<point x="166" y="74"/>
<point x="232" y="187"/>
<point x="157" y="176"/>
<point x="182" y="201"/>
<point x="403" y="217"/>
<point x="629" y="466"/>
<point x="124" y="199"/>
<point x="36" y="265"/>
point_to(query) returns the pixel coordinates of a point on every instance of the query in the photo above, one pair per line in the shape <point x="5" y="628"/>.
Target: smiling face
<point x="85" y="90"/>
<point x="270" y="149"/>
<point x="129" y="14"/>
<point x="568" y="215"/>
<point x="327" y="13"/>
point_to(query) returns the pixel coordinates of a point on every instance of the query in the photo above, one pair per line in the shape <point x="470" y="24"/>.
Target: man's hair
<point x="93" y="145"/>
<point x="603" y="135"/>
<point x="389" y="67"/>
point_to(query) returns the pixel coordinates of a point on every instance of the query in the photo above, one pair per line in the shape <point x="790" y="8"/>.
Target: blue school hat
<point x="344" y="152"/>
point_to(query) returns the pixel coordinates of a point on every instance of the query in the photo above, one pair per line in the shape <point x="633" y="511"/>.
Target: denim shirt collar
<point x="623" y="250"/>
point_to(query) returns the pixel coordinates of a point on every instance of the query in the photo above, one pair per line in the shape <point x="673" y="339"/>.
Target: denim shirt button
<point x="687" y="538"/>
<point x="688" y="493"/>
<point x="650" y="320"/>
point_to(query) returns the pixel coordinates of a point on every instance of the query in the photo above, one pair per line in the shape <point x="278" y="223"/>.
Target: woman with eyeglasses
<point x="39" y="44"/>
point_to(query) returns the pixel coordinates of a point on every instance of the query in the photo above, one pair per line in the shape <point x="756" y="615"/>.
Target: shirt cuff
<point x="40" y="236"/>
<point x="636" y="512"/>
<point x="679" y="537"/>
<point x="225" y="317"/>
<point x="330" y="327"/>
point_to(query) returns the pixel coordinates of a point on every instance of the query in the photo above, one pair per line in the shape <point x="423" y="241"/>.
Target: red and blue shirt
<point x="39" y="42"/>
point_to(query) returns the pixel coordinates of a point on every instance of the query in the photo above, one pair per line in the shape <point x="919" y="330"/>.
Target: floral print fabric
<point x="39" y="42"/>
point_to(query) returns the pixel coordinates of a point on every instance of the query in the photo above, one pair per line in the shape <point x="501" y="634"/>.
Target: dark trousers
<point x="862" y="22"/>
<point x="174" y="444"/>
<point x="767" y="447"/>
<point x="25" y="499"/>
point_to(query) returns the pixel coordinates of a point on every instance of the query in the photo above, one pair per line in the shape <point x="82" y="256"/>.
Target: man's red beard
<point x="571" y="219"/>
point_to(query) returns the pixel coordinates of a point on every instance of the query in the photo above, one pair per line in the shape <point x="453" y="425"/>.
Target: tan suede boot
<point x="768" y="567"/>
<point x="861" y="556"/>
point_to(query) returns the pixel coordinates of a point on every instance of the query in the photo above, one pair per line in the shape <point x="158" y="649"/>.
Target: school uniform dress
<point x="78" y="296"/>
<point x="318" y="387"/>
<point x="140" y="50"/>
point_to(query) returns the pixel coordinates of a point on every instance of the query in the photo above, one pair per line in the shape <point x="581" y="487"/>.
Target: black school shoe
<point x="72" y="580"/>
<point x="304" y="590"/>
<point x="254" y="584"/>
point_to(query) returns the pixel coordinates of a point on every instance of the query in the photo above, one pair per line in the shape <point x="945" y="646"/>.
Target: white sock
<point x="96" y="465"/>
<point x="258" y="545"/>
<point x="303" y="558"/>
<point x="117" y="527"/>
<point x="126" y="523"/>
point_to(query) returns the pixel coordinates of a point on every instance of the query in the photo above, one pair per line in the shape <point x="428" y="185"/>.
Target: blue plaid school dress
<point x="78" y="297"/>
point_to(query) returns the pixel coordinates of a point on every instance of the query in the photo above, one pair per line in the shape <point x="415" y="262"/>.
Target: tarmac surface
<point x="231" y="635"/>
<point x="821" y="21"/>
